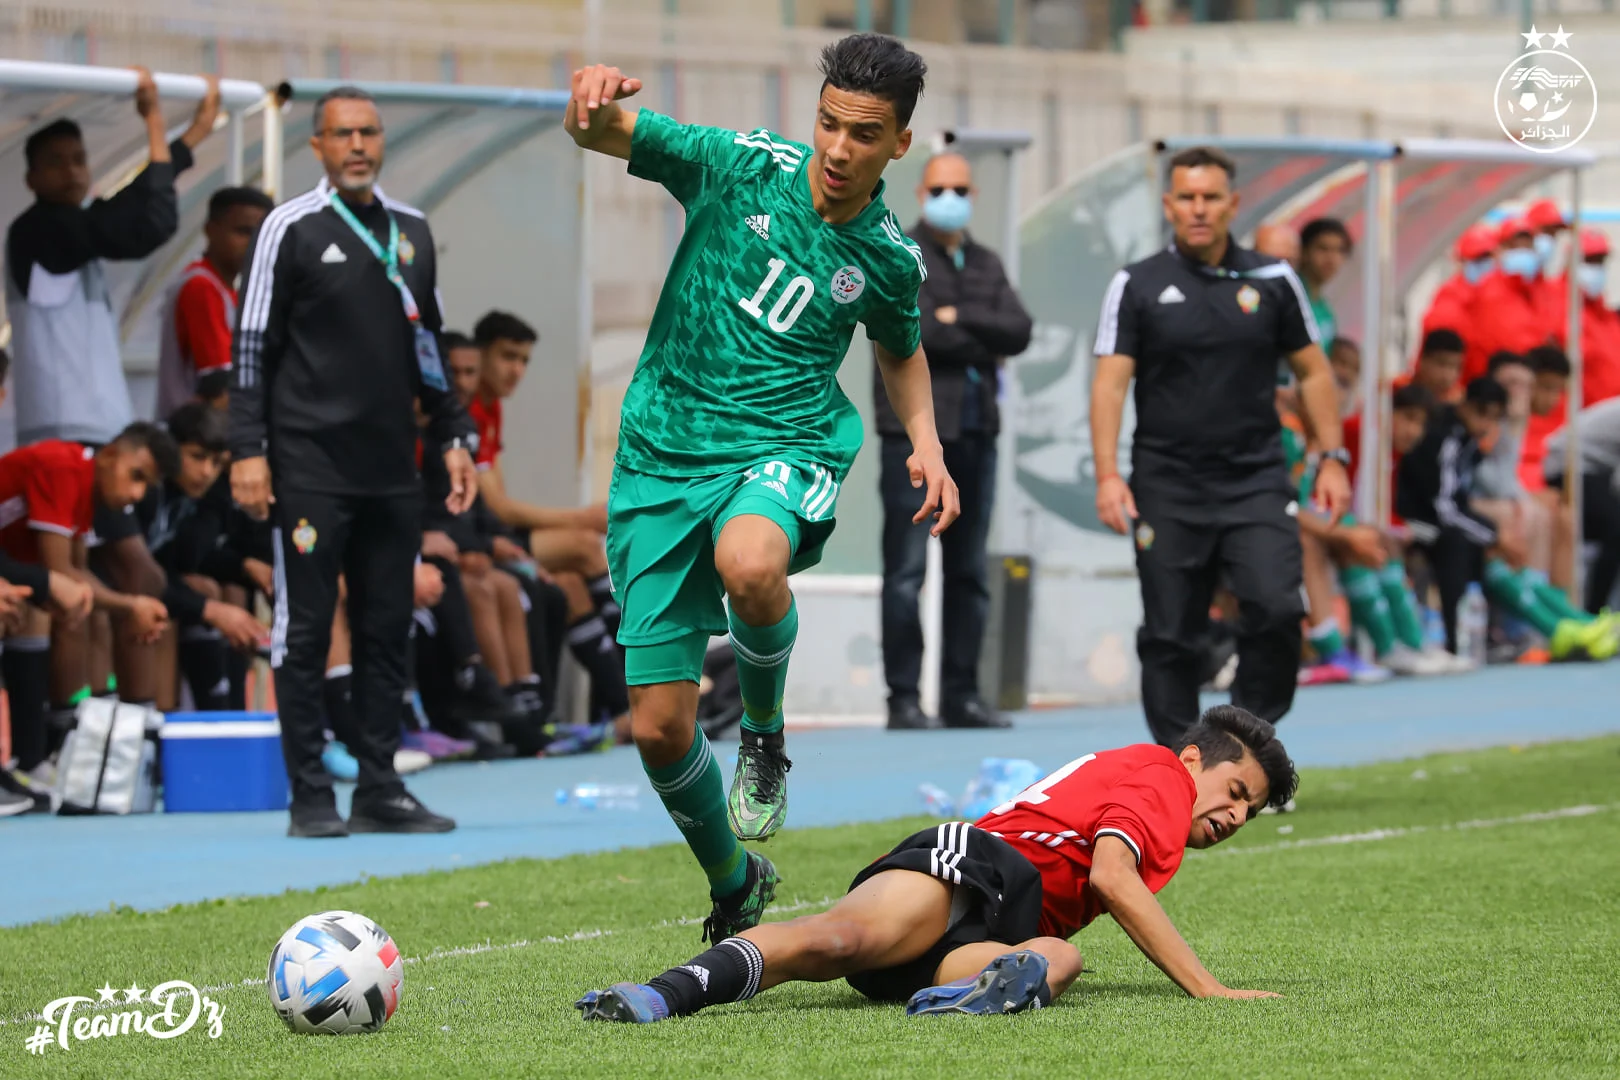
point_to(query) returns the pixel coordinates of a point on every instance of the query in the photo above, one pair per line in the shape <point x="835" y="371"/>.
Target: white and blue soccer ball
<point x="336" y="973"/>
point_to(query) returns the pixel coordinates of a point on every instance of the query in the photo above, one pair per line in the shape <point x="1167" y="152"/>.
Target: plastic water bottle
<point x="601" y="797"/>
<point x="1473" y="625"/>
<point x="938" y="803"/>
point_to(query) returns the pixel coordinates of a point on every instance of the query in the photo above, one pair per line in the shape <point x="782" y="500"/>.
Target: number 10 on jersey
<point x="788" y="306"/>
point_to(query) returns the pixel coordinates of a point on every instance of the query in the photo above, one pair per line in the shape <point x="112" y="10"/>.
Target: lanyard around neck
<point x="389" y="258"/>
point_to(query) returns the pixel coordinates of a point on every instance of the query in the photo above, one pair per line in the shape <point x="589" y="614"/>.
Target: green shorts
<point x="661" y="536"/>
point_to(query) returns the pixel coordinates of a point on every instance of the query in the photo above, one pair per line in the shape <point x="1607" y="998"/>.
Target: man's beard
<point x="347" y="182"/>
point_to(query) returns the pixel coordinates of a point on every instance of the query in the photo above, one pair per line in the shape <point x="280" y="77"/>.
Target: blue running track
<point x="62" y="866"/>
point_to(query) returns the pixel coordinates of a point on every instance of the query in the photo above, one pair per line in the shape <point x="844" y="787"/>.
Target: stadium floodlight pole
<point x="1575" y="398"/>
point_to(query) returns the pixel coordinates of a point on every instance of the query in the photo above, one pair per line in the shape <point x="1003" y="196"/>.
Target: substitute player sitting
<point x="734" y="435"/>
<point x="976" y="918"/>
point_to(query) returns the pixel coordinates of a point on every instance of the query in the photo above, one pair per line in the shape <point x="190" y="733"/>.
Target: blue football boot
<point x="627" y="1003"/>
<point x="1008" y="984"/>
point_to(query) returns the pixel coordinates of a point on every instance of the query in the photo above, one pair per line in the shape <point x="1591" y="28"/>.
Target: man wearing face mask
<point x="1476" y="257"/>
<point x="1507" y="312"/>
<point x="1600" y="324"/>
<point x="971" y="319"/>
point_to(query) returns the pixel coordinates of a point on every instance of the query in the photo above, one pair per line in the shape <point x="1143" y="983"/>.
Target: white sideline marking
<point x="1584" y="810"/>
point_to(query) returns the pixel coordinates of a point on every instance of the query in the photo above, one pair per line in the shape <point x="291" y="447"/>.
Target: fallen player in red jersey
<point x="975" y="918"/>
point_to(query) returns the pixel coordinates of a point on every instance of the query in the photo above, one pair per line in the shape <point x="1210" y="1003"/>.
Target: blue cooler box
<point x="220" y="761"/>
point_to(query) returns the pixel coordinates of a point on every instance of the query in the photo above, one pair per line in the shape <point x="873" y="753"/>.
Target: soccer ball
<point x="336" y="973"/>
<point x="1527" y="100"/>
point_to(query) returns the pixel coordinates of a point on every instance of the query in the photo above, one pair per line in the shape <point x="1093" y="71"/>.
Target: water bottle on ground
<point x="937" y="802"/>
<point x="1473" y="625"/>
<point x="601" y="796"/>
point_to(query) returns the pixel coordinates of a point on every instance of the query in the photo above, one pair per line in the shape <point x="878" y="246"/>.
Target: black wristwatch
<point x="1341" y="455"/>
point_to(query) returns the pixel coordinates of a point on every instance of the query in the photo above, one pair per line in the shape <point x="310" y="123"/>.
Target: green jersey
<point x="1327" y="326"/>
<point x="759" y="307"/>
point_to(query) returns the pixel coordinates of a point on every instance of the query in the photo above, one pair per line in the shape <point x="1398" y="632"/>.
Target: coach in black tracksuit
<point x="1200" y="327"/>
<point x="335" y="340"/>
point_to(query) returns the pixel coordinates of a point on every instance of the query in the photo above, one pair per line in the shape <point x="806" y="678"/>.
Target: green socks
<point x="1519" y="597"/>
<point x="1554" y="597"/>
<point x="1403" y="606"/>
<point x="762" y="662"/>
<point x="1326" y="639"/>
<point x="694" y="793"/>
<point x="1369" y="609"/>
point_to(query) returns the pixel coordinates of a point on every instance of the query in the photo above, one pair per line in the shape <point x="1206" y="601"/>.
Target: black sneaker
<point x="13" y="803"/>
<point x="907" y="715"/>
<point x="972" y="713"/>
<point x="397" y="813"/>
<point x="315" y="817"/>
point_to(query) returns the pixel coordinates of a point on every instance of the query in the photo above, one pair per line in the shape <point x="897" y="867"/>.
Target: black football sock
<point x="728" y="972"/>
<point x="26" y="664"/>
<point x="337" y="694"/>
<point x="596" y="652"/>
<point x="202" y="660"/>
<point x="602" y="597"/>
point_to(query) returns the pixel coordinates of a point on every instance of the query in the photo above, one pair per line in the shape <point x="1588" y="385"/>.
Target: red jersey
<point x="1449" y="308"/>
<point x="198" y="333"/>
<point x="1352" y="443"/>
<point x="1600" y="342"/>
<point x="1141" y="794"/>
<point x="47" y="487"/>
<point x="1508" y="313"/>
<point x="486" y="413"/>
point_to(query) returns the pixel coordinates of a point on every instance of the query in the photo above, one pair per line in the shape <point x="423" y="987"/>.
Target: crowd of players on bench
<point x="125" y="568"/>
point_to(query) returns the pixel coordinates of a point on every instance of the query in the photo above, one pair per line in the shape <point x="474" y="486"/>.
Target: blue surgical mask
<point x="1474" y="270"/>
<point x="1521" y="262"/>
<point x="1546" y="244"/>
<point x="948" y="211"/>
<point x="1592" y="277"/>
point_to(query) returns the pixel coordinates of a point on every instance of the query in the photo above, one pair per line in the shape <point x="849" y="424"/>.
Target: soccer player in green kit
<point x="734" y="434"/>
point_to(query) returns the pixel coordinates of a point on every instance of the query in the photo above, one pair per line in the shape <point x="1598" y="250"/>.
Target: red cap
<point x="1544" y="214"/>
<point x="1514" y="227"/>
<point x="1476" y="242"/>
<point x="1593" y="243"/>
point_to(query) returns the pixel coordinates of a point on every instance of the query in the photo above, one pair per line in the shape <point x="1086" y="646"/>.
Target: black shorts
<point x="997" y="897"/>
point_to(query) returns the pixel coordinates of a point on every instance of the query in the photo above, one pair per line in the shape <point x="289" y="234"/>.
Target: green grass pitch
<point x="1453" y="916"/>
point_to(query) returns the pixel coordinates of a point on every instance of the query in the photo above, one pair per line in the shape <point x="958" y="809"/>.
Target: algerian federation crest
<point x="1545" y="99"/>
<point x="304" y="536"/>
<point x="1248" y="299"/>
<point x="848" y="284"/>
<point x="1144" y="536"/>
<point x="407" y="250"/>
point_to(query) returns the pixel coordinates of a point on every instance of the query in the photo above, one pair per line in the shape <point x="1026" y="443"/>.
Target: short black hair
<point x="455" y="339"/>
<point x="227" y="198"/>
<point x="878" y="65"/>
<point x="337" y="93"/>
<point x="1224" y="732"/>
<point x="145" y="435"/>
<point x="502" y="326"/>
<point x="198" y="424"/>
<point x="1195" y="157"/>
<point x="1317" y="228"/>
<point x="1442" y="340"/>
<point x="213" y="385"/>
<point x="1412" y="396"/>
<point x="5" y="366"/>
<point x="1484" y="392"/>
<point x="1501" y="358"/>
<point x="1549" y="360"/>
<point x="56" y="129"/>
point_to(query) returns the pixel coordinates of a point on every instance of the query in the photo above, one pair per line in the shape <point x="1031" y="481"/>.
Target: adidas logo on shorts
<point x="760" y="223"/>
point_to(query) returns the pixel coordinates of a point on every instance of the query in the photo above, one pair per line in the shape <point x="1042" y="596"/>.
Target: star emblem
<point x="133" y="994"/>
<point x="1557" y="97"/>
<point x="1560" y="39"/>
<point x="108" y="994"/>
<point x="1532" y="40"/>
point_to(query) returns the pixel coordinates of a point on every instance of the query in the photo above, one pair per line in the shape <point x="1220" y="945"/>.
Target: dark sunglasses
<point x="936" y="192"/>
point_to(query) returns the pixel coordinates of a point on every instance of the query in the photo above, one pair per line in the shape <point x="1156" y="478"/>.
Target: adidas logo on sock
<point x="760" y="223"/>
<point x="701" y="972"/>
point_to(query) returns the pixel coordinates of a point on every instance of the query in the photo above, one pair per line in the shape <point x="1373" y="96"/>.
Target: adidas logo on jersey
<point x="1171" y="295"/>
<point x="760" y="223"/>
<point x="333" y="254"/>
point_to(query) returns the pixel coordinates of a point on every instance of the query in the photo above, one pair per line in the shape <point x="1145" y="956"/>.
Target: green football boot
<point x="728" y="919"/>
<point x="757" y="806"/>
